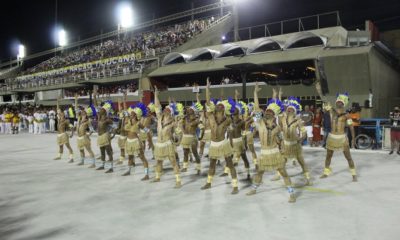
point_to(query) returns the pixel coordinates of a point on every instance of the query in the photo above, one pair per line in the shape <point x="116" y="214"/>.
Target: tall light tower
<point x="235" y="13"/>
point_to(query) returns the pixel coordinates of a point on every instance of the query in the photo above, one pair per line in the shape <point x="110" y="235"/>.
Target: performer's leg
<point x="60" y="152"/>
<point x="158" y="171"/>
<point x="352" y="167"/>
<point x="178" y="182"/>
<point x="177" y="159"/>
<point x="82" y="154"/>
<point x="246" y="164"/>
<point x="131" y="164"/>
<point x="202" y="145"/>
<point x="186" y="153"/>
<point x="256" y="182"/>
<point x="91" y="155"/>
<point x="121" y="157"/>
<point x="110" y="158"/>
<point x="229" y="163"/>
<point x="71" y="154"/>
<point x="253" y="154"/>
<point x="197" y="157"/>
<point x="288" y="183"/>
<point x="304" y="167"/>
<point x="102" y="157"/>
<point x="327" y="169"/>
<point x="211" y="173"/>
<point x="145" y="165"/>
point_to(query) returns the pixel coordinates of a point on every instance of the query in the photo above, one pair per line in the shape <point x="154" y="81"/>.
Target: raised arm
<point x="76" y="101"/>
<point x="58" y="104"/>
<point x="274" y="93"/>
<point x="280" y="94"/>
<point x="95" y="97"/>
<point x="198" y="97"/>
<point x="256" y="103"/>
<point x="156" y="99"/>
<point x="237" y="94"/>
<point x="208" y="92"/>
<point x="124" y="101"/>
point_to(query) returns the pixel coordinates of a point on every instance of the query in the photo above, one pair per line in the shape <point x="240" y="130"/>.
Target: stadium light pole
<point x="235" y="13"/>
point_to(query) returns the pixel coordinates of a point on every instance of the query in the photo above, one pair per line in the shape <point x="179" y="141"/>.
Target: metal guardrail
<point x="286" y="26"/>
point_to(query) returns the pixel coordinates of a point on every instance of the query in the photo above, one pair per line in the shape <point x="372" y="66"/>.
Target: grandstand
<point x="114" y="62"/>
<point x="179" y="56"/>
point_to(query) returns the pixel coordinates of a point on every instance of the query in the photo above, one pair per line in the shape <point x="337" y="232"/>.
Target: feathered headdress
<point x="180" y="109"/>
<point x="343" y="97"/>
<point x="139" y="109"/>
<point x="152" y="107"/>
<point x="294" y="103"/>
<point x="227" y="106"/>
<point x="91" y="111"/>
<point x="176" y="109"/>
<point x="242" y="107"/>
<point x="197" y="107"/>
<point x="250" y="107"/>
<point x="108" y="106"/>
<point x="275" y="105"/>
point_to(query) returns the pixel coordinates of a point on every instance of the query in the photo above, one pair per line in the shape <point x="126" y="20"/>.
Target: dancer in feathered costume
<point x="62" y="137"/>
<point x="85" y="129"/>
<point x="270" y="158"/>
<point x="122" y="115"/>
<point x="235" y="134"/>
<point x="164" y="147"/>
<point x="104" y="138"/>
<point x="337" y="139"/>
<point x="294" y="134"/>
<point x="219" y="116"/>
<point x="189" y="142"/>
<point x="134" y="146"/>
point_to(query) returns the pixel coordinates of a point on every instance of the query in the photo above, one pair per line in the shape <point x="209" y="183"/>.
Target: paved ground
<point x="45" y="199"/>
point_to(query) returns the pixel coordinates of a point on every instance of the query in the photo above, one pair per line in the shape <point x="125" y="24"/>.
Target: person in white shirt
<point x="52" y="120"/>
<point x="36" y="122"/>
<point x="42" y="127"/>
<point x="30" y="122"/>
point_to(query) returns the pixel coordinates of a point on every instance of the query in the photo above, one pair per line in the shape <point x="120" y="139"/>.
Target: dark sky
<point x="31" y="22"/>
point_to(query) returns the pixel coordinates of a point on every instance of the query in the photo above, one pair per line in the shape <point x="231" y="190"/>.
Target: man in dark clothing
<point x="395" y="130"/>
<point x="326" y="123"/>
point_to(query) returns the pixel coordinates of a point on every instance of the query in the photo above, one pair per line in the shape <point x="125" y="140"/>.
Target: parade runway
<point x="45" y="199"/>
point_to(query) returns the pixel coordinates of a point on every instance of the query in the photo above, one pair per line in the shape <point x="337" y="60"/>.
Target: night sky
<point x="32" y="22"/>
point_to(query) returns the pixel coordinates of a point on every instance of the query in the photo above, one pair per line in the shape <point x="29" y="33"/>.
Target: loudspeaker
<point x="322" y="76"/>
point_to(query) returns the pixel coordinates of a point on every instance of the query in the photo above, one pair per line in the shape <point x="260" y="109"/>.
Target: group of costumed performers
<point x="227" y="126"/>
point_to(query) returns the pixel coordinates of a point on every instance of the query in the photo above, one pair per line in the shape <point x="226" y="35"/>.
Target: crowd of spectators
<point x="103" y="90"/>
<point x="120" y="53"/>
<point x="147" y="43"/>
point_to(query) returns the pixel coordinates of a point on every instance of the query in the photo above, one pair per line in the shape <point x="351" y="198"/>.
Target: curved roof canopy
<point x="203" y="54"/>
<point x="229" y="50"/>
<point x="304" y="39"/>
<point x="264" y="45"/>
<point x="175" y="57"/>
